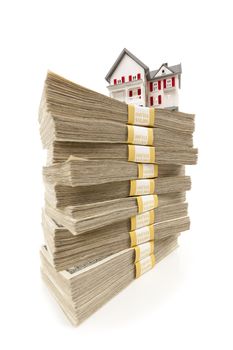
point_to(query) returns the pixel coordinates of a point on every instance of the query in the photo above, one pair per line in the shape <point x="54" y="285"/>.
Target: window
<point x="135" y="93"/>
<point x="163" y="71"/>
<point x="173" y="81"/>
<point x="119" y="82"/>
<point x="130" y="77"/>
<point x="160" y="99"/>
<point x="164" y="83"/>
<point x="151" y="86"/>
<point x="139" y="76"/>
<point x="123" y="79"/>
<point x="159" y="84"/>
<point x="134" y="77"/>
<point x="169" y="83"/>
<point x="151" y="101"/>
<point x="155" y="86"/>
<point x="115" y="81"/>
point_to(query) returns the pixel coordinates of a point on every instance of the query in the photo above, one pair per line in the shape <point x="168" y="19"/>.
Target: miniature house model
<point x="131" y="81"/>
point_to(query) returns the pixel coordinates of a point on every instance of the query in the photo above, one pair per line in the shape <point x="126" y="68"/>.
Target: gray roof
<point x="123" y="52"/>
<point x="177" y="69"/>
<point x="150" y="74"/>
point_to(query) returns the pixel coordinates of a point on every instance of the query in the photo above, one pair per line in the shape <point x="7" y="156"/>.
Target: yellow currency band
<point x="133" y="235"/>
<point x="132" y="155"/>
<point x="133" y="220"/>
<point x="138" y="251"/>
<point x="141" y="206"/>
<point x="131" y="135"/>
<point x="131" y="115"/>
<point x="133" y="187"/>
<point x="141" y="171"/>
<point x="139" y="265"/>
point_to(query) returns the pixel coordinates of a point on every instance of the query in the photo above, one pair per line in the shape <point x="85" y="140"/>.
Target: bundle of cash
<point x="115" y="192"/>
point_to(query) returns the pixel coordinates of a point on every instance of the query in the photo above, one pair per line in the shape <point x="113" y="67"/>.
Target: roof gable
<point x="168" y="70"/>
<point x="119" y="59"/>
<point x="163" y="70"/>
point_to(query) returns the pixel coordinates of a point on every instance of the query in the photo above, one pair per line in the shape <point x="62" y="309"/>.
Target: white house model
<point x="131" y="81"/>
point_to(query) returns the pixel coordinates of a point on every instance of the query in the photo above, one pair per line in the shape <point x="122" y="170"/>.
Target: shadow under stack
<point x="115" y="189"/>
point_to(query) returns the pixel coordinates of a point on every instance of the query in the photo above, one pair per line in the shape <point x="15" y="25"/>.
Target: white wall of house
<point x="169" y="95"/>
<point x="121" y="91"/>
<point x="127" y="67"/>
<point x="139" y="100"/>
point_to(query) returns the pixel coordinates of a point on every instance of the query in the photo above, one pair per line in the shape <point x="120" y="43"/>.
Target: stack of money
<point x="115" y="189"/>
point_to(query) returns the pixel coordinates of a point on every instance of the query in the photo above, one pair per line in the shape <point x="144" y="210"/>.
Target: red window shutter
<point x="160" y="99"/>
<point x="139" y="91"/>
<point x="173" y="81"/>
<point x="115" y="81"/>
<point x="130" y="93"/>
<point x="164" y="83"/>
<point x="151" y="86"/>
<point x="139" y="76"/>
<point x="130" y="77"/>
<point x="123" y="79"/>
<point x="159" y="84"/>
<point x="151" y="101"/>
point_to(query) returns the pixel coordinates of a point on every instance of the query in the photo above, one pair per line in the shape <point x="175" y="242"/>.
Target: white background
<point x="186" y="302"/>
